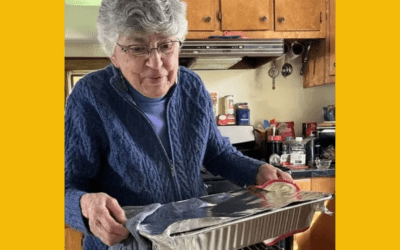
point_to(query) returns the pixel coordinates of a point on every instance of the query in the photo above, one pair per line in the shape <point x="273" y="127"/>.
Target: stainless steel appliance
<point x="229" y="53"/>
<point x="327" y="136"/>
<point x="243" y="138"/>
<point x="313" y="150"/>
<point x="324" y="141"/>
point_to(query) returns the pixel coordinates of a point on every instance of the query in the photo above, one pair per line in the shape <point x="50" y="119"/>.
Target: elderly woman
<point x="138" y="131"/>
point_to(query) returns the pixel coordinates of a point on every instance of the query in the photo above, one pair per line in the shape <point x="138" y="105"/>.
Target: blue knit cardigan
<point x="111" y="146"/>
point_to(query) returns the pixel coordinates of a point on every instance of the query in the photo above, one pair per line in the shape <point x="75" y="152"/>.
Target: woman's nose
<point x="154" y="60"/>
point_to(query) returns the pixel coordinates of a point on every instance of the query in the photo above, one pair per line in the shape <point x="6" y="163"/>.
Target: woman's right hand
<point x="106" y="217"/>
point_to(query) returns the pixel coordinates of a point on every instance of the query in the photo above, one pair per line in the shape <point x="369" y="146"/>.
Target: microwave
<point x="327" y="136"/>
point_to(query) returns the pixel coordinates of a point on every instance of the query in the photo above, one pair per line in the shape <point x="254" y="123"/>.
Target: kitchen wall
<point x="288" y="102"/>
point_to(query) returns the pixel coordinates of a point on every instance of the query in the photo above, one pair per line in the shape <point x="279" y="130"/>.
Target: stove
<point x="241" y="137"/>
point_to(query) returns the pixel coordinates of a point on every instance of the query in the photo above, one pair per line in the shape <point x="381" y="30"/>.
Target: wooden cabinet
<point x="73" y="239"/>
<point x="331" y="40"/>
<point x="294" y="15"/>
<point x="321" y="234"/>
<point x="304" y="184"/>
<point x="247" y="15"/>
<point x="291" y="19"/>
<point x="202" y="15"/>
<point x="321" y="64"/>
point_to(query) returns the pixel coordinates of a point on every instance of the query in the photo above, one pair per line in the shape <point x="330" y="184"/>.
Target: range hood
<point x="229" y="53"/>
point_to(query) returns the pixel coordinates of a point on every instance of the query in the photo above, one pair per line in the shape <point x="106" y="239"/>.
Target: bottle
<point x="214" y="98"/>
<point x="317" y="149"/>
<point x="228" y="105"/>
<point x="285" y="157"/>
<point x="274" y="150"/>
<point x="297" y="152"/>
<point x="310" y="150"/>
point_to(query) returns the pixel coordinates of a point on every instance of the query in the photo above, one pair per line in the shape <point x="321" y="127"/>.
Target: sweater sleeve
<point x="224" y="159"/>
<point x="83" y="147"/>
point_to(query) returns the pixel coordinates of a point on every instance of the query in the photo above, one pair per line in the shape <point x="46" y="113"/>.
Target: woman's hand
<point x="106" y="217"/>
<point x="268" y="172"/>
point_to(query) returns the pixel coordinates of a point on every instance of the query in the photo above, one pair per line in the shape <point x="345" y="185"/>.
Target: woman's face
<point x="151" y="75"/>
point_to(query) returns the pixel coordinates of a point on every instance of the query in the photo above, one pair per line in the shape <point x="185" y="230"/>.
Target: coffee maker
<point x="317" y="145"/>
<point x="313" y="150"/>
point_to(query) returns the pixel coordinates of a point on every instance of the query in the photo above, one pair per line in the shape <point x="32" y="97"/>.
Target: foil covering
<point x="228" y="220"/>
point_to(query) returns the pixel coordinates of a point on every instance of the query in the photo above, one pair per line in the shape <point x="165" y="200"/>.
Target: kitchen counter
<point x="217" y="184"/>
<point x="311" y="172"/>
<point x="296" y="174"/>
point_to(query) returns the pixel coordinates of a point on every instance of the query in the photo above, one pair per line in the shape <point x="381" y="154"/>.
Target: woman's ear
<point x="114" y="60"/>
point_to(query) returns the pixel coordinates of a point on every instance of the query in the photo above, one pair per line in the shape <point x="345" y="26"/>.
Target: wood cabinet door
<point x="247" y="15"/>
<point x="73" y="239"/>
<point x="303" y="184"/>
<point x="315" y="72"/>
<point x="331" y="35"/>
<point x="295" y="15"/>
<point x="321" y="66"/>
<point x="321" y="234"/>
<point x="201" y="15"/>
<point x="323" y="229"/>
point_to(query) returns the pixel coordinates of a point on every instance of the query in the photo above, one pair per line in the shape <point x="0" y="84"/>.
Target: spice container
<point x="242" y="113"/>
<point x="228" y="105"/>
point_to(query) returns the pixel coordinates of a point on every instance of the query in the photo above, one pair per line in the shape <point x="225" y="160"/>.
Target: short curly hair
<point x="140" y="17"/>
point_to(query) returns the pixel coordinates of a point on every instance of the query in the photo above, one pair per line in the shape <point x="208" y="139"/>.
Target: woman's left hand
<point x="268" y="172"/>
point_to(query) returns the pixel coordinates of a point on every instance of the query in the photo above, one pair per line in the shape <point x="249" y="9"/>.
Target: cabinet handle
<point x="207" y="19"/>
<point x="281" y="19"/>
<point x="264" y="18"/>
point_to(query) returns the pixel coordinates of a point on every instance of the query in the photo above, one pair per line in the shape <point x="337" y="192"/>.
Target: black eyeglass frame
<point x="127" y="49"/>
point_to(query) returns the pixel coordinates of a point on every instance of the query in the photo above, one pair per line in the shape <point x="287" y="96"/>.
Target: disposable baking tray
<point x="253" y="222"/>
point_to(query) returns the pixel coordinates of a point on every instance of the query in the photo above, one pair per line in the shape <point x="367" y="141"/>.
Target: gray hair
<point x="139" y="17"/>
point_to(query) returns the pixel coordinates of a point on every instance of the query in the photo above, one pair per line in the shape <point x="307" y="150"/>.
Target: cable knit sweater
<point x="111" y="147"/>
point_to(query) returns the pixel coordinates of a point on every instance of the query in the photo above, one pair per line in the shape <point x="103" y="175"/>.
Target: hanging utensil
<point x="287" y="69"/>
<point x="305" y="59"/>
<point x="273" y="72"/>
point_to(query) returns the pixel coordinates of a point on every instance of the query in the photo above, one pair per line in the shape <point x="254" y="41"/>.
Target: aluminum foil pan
<point x="230" y="220"/>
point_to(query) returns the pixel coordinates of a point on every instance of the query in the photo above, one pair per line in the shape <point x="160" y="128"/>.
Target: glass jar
<point x="297" y="152"/>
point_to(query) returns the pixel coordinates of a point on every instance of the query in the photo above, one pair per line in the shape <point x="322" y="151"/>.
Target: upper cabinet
<point x="331" y="37"/>
<point x="247" y="15"/>
<point x="294" y="15"/>
<point x="288" y="19"/>
<point x="321" y="61"/>
<point x="202" y="15"/>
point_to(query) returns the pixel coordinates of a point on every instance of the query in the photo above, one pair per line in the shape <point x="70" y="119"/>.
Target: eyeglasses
<point x="163" y="49"/>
